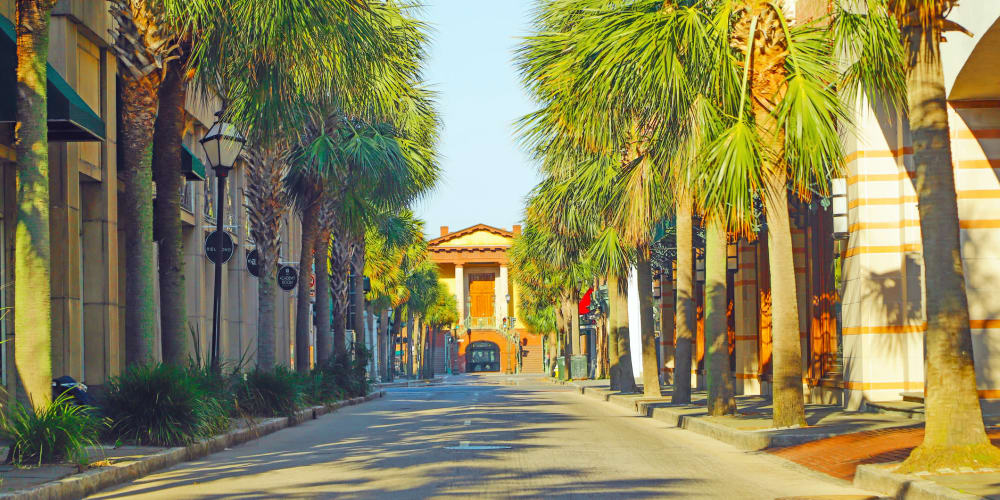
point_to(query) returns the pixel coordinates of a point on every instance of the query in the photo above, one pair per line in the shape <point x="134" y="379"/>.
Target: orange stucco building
<point x="472" y="263"/>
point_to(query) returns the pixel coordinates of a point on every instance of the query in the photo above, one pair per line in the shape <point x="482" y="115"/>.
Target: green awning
<point x="70" y="118"/>
<point x="191" y="166"/>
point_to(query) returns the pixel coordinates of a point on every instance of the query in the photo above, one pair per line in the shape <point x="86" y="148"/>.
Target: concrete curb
<point x="901" y="486"/>
<point x="411" y="383"/>
<point x="748" y="440"/>
<point x="81" y="485"/>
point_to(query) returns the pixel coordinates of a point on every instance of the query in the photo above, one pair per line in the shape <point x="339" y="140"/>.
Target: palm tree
<point x="144" y="47"/>
<point x="719" y="378"/>
<point x="325" y="276"/>
<point x="184" y="18"/>
<point x="387" y="238"/>
<point x="895" y="51"/>
<point x="267" y="201"/>
<point x="33" y="319"/>
<point x="273" y="61"/>
<point x="767" y="95"/>
<point x="440" y="316"/>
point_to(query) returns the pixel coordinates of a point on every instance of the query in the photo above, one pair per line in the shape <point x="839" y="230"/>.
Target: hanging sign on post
<point x="288" y="277"/>
<point x="219" y="249"/>
<point x="252" y="264"/>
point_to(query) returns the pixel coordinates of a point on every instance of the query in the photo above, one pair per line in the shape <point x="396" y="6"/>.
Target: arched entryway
<point x="482" y="356"/>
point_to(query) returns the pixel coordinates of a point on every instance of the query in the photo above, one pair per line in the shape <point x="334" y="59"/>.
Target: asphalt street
<point x="485" y="437"/>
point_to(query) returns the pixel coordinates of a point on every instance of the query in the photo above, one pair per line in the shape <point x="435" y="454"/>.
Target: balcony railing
<point x="487" y="323"/>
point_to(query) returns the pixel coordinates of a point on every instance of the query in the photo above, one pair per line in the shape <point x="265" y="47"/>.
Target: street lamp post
<point x="222" y="145"/>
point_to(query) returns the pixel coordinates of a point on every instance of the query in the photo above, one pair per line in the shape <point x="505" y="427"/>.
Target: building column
<point x="460" y="291"/>
<point x="799" y="251"/>
<point x="65" y="229"/>
<point x="502" y="291"/>
<point x="746" y="311"/>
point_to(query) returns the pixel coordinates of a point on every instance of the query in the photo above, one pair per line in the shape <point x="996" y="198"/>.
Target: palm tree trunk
<point x="383" y="343"/>
<point x="601" y="348"/>
<point x="310" y="226"/>
<point x="685" y="304"/>
<point x="324" y="341"/>
<point x="553" y="352"/>
<point x="666" y="325"/>
<point x="395" y="332"/>
<point x="622" y="377"/>
<point x="340" y="264"/>
<point x="266" y="207"/>
<point x="433" y="348"/>
<point x="409" y="350"/>
<point x="266" y="285"/>
<point x="650" y="366"/>
<point x="167" y="136"/>
<point x="954" y="435"/>
<point x="720" y="382"/>
<point x="138" y="113"/>
<point x="786" y="365"/>
<point x="358" y="284"/>
<point x="32" y="267"/>
<point x="566" y="327"/>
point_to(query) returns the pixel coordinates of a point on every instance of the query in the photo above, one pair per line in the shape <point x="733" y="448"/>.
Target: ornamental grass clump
<point x="59" y="431"/>
<point x="162" y="405"/>
<point x="270" y="393"/>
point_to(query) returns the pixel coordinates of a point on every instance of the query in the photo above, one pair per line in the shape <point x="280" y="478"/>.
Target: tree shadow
<point x="412" y="444"/>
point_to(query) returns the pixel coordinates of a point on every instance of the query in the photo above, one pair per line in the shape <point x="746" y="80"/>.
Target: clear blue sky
<point x="485" y="174"/>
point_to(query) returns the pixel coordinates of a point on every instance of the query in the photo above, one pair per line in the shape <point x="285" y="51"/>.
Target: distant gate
<point x="482" y="356"/>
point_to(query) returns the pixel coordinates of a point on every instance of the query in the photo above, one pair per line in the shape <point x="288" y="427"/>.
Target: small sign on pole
<point x="252" y="265"/>
<point x="219" y="247"/>
<point x="288" y="277"/>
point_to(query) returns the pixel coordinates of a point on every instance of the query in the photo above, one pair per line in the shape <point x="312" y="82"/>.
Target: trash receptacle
<point x="561" y="372"/>
<point x="578" y="367"/>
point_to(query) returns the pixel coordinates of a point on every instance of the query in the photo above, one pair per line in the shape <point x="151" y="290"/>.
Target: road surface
<point x="484" y="437"/>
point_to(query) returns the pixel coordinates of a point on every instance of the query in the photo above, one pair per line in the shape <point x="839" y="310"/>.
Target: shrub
<point x="162" y="405"/>
<point x="270" y="393"/>
<point x="54" y="433"/>
<point x="220" y="400"/>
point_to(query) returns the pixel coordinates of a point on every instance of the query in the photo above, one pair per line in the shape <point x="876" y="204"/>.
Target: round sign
<point x="287" y="277"/>
<point x="252" y="264"/>
<point x="219" y="249"/>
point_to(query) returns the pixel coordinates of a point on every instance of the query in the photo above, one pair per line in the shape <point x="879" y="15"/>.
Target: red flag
<point x="584" y="306"/>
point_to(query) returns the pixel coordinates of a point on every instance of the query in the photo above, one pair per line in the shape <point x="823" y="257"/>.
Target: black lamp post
<point x="222" y="145"/>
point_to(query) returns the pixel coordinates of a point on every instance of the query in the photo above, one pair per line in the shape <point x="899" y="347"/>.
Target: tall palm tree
<point x="767" y="93"/>
<point x="440" y="316"/>
<point x="185" y="19"/>
<point x="274" y="61"/>
<point x="325" y="276"/>
<point x="386" y="240"/>
<point x="144" y="47"/>
<point x="32" y="266"/>
<point x="895" y="50"/>
<point x="267" y="202"/>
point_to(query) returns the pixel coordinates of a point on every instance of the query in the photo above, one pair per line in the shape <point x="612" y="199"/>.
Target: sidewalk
<point x="853" y="446"/>
<point x="751" y="430"/>
<point x="110" y="466"/>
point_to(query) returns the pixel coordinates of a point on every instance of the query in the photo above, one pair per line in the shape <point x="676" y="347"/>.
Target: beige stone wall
<point x="975" y="132"/>
<point x="87" y="268"/>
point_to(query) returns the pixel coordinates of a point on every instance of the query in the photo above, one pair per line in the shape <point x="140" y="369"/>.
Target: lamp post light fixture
<point x="699" y="267"/>
<point x="838" y="202"/>
<point x="222" y="145"/>
<point x="732" y="256"/>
